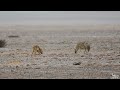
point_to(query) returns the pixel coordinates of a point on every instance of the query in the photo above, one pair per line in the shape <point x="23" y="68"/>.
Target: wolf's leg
<point x="76" y="49"/>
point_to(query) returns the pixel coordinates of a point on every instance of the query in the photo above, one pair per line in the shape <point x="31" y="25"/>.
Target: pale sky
<point x="59" y="17"/>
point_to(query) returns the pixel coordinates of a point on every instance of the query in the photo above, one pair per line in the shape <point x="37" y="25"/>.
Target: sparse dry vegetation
<point x="13" y="36"/>
<point x="2" y="43"/>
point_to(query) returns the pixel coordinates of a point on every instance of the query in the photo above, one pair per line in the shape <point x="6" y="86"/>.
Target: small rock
<point x="82" y="56"/>
<point x="77" y="63"/>
<point x="12" y="70"/>
<point x="108" y="55"/>
<point x="118" y="55"/>
<point x="114" y="76"/>
<point x="27" y="65"/>
<point x="17" y="66"/>
<point x="37" y="68"/>
<point x="32" y="64"/>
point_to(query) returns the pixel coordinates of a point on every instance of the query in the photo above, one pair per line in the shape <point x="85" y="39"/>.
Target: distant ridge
<point x="59" y="27"/>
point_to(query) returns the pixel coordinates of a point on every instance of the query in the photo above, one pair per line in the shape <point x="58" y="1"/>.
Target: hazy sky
<point x="59" y="17"/>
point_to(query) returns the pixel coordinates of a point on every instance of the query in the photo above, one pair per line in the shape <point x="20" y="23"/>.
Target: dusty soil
<point x="58" y="60"/>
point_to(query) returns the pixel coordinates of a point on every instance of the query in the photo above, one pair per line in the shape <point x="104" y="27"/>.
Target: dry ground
<point x="58" y="58"/>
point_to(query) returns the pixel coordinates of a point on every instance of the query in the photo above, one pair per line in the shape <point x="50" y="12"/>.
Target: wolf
<point x="37" y="50"/>
<point x="82" y="45"/>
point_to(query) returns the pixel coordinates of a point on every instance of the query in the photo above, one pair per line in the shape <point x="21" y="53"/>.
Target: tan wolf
<point x="82" y="45"/>
<point x="37" y="50"/>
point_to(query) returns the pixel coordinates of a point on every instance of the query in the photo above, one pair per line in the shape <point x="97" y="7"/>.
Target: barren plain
<point x="59" y="58"/>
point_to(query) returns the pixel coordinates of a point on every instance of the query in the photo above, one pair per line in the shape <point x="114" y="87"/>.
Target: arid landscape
<point x="59" y="60"/>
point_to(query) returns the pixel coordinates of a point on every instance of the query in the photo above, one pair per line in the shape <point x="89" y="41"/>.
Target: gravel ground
<point x="58" y="60"/>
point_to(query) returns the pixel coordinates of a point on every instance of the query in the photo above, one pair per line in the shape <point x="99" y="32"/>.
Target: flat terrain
<point x="58" y="58"/>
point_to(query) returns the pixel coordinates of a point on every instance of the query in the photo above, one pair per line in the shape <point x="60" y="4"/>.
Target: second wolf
<point x="82" y="45"/>
<point x="37" y="49"/>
